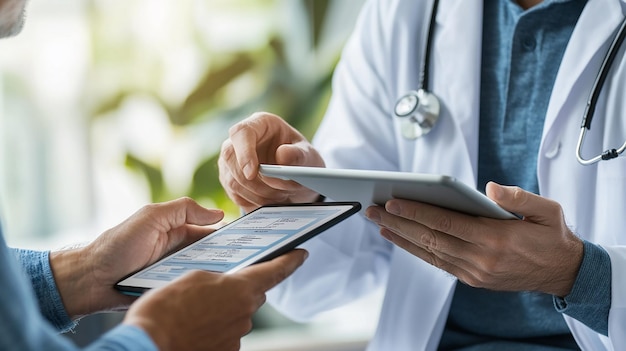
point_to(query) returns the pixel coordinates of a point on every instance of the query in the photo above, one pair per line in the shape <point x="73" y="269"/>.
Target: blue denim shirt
<point x="32" y="314"/>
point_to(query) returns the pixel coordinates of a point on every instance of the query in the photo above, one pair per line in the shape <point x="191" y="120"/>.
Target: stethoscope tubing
<point x="593" y="100"/>
<point x="425" y="72"/>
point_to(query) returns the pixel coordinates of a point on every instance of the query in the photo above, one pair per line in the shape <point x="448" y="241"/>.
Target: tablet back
<point x="376" y="187"/>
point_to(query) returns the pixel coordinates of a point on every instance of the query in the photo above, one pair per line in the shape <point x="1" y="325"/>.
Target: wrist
<point x="571" y="265"/>
<point x="73" y="279"/>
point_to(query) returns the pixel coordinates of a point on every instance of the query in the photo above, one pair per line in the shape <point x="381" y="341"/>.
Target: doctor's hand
<point x="209" y="311"/>
<point x="538" y="253"/>
<point x="85" y="276"/>
<point x="264" y="138"/>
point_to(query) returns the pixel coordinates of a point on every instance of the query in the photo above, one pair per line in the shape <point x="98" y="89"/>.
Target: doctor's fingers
<point x="256" y="139"/>
<point x="240" y="149"/>
<point x="472" y="270"/>
<point x="251" y="194"/>
<point x="439" y="244"/>
<point x="466" y="227"/>
<point x="230" y="161"/>
<point x="453" y="265"/>
<point x="232" y="177"/>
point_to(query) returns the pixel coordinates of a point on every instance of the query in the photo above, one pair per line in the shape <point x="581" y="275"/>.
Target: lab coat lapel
<point x="455" y="78"/>
<point x="456" y="71"/>
<point x="585" y="51"/>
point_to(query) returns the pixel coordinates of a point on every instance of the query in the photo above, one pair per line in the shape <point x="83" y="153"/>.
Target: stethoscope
<point x="419" y="110"/>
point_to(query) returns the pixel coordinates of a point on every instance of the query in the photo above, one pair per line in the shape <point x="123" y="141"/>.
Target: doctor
<point x="512" y="78"/>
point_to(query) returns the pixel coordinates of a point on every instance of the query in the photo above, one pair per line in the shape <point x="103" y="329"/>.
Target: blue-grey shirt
<point x="522" y="51"/>
<point x="32" y="313"/>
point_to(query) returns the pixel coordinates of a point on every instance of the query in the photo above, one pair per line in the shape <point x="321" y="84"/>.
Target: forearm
<point x="72" y="278"/>
<point x="81" y="288"/>
<point x="84" y="282"/>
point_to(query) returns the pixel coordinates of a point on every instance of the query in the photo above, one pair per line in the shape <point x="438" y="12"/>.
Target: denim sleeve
<point x="36" y="265"/>
<point x="22" y="326"/>
<point x="590" y="299"/>
<point x="123" y="337"/>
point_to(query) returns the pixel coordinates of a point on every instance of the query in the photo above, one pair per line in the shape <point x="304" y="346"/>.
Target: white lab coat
<point x="380" y="63"/>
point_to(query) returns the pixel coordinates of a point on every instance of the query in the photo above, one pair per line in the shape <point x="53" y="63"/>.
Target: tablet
<point x="376" y="187"/>
<point x="261" y="235"/>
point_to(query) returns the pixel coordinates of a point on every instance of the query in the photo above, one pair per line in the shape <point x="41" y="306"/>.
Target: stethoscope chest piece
<point x="418" y="111"/>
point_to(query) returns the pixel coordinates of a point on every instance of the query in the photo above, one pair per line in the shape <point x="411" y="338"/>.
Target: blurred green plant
<point x="296" y="89"/>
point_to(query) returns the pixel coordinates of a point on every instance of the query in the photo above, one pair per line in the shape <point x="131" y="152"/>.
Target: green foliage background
<point x="297" y="92"/>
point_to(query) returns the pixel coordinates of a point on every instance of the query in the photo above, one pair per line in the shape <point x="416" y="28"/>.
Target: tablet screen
<point x="261" y="235"/>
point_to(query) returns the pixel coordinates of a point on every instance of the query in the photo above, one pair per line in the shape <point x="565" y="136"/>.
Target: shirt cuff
<point x="590" y="299"/>
<point x="36" y="265"/>
<point x="124" y="337"/>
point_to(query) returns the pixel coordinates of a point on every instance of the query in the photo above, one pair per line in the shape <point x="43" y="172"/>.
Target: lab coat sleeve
<point x="350" y="260"/>
<point x="344" y="263"/>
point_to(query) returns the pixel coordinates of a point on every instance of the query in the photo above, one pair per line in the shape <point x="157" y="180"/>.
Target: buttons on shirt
<point x="529" y="43"/>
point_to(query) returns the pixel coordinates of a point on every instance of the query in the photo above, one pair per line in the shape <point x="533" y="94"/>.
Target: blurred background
<point x="106" y="106"/>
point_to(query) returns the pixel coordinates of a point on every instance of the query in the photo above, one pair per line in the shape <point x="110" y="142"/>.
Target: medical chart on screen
<point x="246" y="238"/>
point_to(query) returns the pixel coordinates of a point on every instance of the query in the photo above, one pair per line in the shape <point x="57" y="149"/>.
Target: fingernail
<point x="496" y="190"/>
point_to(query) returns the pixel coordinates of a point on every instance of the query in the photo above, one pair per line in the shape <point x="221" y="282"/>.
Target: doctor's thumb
<point x="523" y="203"/>
<point x="298" y="154"/>
<point x="511" y="198"/>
